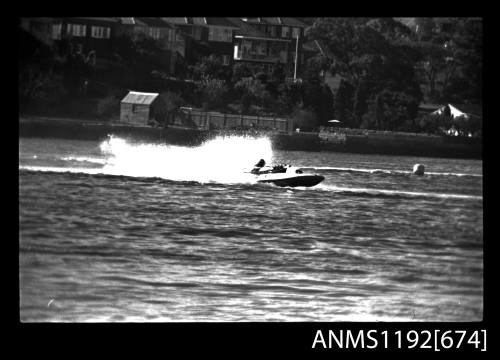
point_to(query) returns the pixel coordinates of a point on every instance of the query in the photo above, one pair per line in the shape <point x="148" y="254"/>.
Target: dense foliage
<point x="386" y="69"/>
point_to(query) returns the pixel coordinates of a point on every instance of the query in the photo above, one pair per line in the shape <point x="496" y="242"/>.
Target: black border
<point x="239" y="339"/>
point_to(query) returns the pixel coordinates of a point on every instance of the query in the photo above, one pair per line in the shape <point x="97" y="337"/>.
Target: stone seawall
<point x="389" y="143"/>
<point x="407" y="144"/>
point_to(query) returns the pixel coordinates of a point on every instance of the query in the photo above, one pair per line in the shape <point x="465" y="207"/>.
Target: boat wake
<point x="386" y="193"/>
<point x="337" y="190"/>
<point x="223" y="160"/>
<point x="384" y="171"/>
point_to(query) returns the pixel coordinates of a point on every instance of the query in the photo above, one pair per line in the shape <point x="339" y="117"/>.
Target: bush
<point x="107" y="107"/>
<point x="38" y="85"/>
<point x="392" y="110"/>
<point x="305" y="119"/>
<point x="167" y="107"/>
<point x="289" y="95"/>
<point x="240" y="71"/>
<point x="213" y="92"/>
<point x="210" y="66"/>
<point x="252" y="91"/>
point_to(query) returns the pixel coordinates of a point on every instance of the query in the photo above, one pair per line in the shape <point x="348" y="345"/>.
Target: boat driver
<point x="258" y="166"/>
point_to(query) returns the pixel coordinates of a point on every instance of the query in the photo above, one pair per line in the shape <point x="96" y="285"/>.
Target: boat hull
<point x="294" y="181"/>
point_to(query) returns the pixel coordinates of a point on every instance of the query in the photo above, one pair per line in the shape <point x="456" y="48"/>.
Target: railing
<point x="214" y="120"/>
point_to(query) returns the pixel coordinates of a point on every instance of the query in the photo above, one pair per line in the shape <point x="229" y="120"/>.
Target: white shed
<point x="136" y="107"/>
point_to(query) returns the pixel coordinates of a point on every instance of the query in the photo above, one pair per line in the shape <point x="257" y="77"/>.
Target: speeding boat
<point x="286" y="175"/>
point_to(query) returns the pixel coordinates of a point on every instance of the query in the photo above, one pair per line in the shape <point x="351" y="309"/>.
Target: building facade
<point x="206" y="36"/>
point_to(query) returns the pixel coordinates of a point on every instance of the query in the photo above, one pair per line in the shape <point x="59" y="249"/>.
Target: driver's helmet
<point x="261" y="163"/>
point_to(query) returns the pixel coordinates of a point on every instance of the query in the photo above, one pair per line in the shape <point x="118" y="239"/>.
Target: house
<point x="256" y="48"/>
<point x="73" y="35"/>
<point x="89" y="36"/>
<point x="153" y="28"/>
<point x="137" y="108"/>
<point x="284" y="28"/>
<point x="265" y="42"/>
<point x="39" y="27"/>
<point x="207" y="35"/>
<point x="166" y="36"/>
<point x="220" y="38"/>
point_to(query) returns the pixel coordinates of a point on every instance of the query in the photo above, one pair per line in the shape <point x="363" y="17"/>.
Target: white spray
<point x="225" y="159"/>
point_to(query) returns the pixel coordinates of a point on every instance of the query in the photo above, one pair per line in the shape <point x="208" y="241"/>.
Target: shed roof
<point x="143" y="98"/>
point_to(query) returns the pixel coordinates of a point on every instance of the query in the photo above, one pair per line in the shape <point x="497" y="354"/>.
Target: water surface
<point x="124" y="231"/>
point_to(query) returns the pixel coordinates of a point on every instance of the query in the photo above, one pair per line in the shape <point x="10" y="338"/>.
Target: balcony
<point x="259" y="56"/>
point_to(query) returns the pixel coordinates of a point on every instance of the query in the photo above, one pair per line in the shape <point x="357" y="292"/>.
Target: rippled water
<point x="122" y="231"/>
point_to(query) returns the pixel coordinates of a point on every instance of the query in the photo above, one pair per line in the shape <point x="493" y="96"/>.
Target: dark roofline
<point x="154" y="21"/>
<point x="245" y="29"/>
<point x="100" y="19"/>
<point x="220" y="21"/>
<point x="286" y="21"/>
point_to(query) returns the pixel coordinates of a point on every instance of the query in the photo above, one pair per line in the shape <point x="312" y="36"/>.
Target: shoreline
<point x="388" y="143"/>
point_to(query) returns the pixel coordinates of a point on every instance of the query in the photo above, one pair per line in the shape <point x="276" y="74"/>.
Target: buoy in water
<point x="418" y="169"/>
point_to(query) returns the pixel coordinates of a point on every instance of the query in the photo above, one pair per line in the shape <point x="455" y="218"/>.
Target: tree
<point x="239" y="71"/>
<point x="371" y="55"/>
<point x="168" y="107"/>
<point x="212" y="92"/>
<point x="347" y="42"/>
<point x="289" y="96"/>
<point x="35" y="84"/>
<point x="252" y="91"/>
<point x="276" y="78"/>
<point x="395" y="110"/>
<point x="305" y="119"/>
<point x="360" y="105"/>
<point x="344" y="103"/>
<point x="466" y="54"/>
<point x="451" y="58"/>
<point x="108" y="107"/>
<point x="209" y="67"/>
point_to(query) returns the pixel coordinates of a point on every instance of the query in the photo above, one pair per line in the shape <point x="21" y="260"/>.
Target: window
<point x="285" y="31"/>
<point x="171" y="35"/>
<point x="56" y="31"/>
<point x="295" y="32"/>
<point x="153" y="32"/>
<point x="77" y="30"/>
<point x="271" y="31"/>
<point x="197" y="33"/>
<point x="228" y="35"/>
<point x="220" y="34"/>
<point x="100" y="32"/>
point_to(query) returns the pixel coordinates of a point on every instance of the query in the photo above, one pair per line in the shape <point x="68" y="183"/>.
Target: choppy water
<point x="121" y="231"/>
